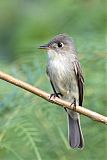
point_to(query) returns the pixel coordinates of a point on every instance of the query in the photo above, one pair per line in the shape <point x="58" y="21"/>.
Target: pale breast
<point x="62" y="75"/>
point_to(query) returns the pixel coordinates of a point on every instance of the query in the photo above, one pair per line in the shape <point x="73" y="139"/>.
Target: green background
<point x="31" y="128"/>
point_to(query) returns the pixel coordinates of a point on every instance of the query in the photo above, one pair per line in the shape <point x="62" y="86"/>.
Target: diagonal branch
<point x="86" y="112"/>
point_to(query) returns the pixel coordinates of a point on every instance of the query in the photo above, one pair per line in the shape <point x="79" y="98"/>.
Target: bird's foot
<point x="74" y="104"/>
<point x="53" y="95"/>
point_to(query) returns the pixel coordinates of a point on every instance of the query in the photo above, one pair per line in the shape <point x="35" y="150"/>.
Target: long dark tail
<point x="75" y="133"/>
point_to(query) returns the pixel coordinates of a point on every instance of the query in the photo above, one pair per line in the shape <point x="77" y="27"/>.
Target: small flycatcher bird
<point x="66" y="78"/>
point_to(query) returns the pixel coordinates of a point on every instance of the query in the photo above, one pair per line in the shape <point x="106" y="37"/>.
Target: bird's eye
<point x="60" y="44"/>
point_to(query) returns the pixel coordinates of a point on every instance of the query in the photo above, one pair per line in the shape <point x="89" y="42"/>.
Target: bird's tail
<point x="75" y="133"/>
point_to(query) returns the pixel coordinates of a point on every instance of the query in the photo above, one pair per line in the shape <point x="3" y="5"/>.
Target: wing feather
<point x="80" y="80"/>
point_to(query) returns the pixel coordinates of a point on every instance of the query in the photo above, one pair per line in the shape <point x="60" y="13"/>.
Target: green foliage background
<point x="31" y="128"/>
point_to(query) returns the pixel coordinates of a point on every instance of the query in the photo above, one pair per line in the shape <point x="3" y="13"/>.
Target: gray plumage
<point x="66" y="78"/>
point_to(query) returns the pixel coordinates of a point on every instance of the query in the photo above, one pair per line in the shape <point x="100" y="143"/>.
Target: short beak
<point x="44" y="46"/>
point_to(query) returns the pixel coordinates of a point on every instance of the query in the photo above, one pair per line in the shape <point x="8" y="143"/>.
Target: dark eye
<point x="60" y="44"/>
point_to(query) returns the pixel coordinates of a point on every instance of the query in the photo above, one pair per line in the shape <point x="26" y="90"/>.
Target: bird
<point x="66" y="77"/>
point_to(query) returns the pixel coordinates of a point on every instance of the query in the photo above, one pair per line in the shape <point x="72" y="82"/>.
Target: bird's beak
<point x="46" y="46"/>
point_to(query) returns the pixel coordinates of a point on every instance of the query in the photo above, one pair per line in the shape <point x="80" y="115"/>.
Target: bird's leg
<point x="74" y="104"/>
<point x="53" y="95"/>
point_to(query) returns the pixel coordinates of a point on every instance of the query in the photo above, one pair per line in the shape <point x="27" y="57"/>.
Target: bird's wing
<point x="80" y="80"/>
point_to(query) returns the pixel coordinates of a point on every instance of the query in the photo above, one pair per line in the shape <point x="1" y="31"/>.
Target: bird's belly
<point x="63" y="79"/>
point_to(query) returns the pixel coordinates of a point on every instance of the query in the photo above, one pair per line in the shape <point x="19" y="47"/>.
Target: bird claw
<point x="53" y="95"/>
<point x="74" y="105"/>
